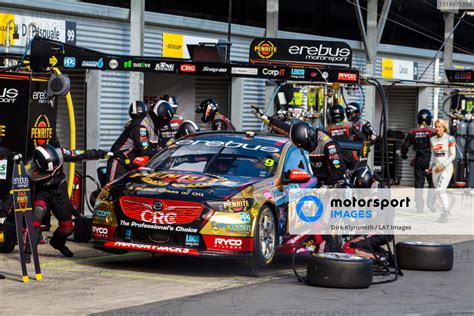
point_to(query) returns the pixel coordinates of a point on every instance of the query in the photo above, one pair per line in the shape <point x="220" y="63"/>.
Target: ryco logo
<point x="100" y="230"/>
<point x="346" y="76"/>
<point x="227" y="242"/>
<point x="187" y="68"/>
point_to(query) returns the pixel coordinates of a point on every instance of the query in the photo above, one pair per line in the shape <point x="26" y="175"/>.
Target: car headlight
<point x="232" y="205"/>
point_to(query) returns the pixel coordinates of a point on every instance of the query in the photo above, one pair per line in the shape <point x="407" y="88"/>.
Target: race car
<point x="219" y="194"/>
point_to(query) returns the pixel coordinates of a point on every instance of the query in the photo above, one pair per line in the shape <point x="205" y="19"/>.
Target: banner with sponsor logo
<point x="21" y="26"/>
<point x="175" y="45"/>
<point x="399" y="69"/>
<point x="404" y="211"/>
<point x="47" y="53"/>
<point x="287" y="51"/>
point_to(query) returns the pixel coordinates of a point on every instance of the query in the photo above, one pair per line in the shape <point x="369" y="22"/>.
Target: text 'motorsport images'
<point x="237" y="157"/>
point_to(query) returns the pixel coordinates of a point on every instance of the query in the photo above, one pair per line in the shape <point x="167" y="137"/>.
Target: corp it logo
<point x="309" y="208"/>
<point x="265" y="49"/>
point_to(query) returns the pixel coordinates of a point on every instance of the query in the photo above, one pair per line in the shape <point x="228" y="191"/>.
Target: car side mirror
<point x="296" y="176"/>
<point x="141" y="161"/>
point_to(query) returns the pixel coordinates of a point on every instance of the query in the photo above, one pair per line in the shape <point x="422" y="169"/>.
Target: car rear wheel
<point x="265" y="239"/>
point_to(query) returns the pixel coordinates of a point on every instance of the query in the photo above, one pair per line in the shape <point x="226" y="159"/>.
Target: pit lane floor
<point x="416" y="293"/>
<point x="94" y="281"/>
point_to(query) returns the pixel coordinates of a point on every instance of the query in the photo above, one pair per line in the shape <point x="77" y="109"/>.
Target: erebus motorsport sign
<point x="306" y="52"/>
<point x="8" y="95"/>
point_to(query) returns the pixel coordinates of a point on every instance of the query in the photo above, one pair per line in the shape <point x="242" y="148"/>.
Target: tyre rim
<point x="267" y="235"/>
<point x="339" y="256"/>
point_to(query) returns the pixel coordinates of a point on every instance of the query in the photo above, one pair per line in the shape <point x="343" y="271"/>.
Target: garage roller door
<point x="402" y="109"/>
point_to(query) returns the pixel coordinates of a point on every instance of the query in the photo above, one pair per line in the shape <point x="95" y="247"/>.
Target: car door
<point x="295" y="158"/>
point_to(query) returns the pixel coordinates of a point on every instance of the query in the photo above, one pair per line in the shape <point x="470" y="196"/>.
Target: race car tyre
<point x="339" y="270"/>
<point x="426" y="256"/>
<point x="265" y="239"/>
<point x="82" y="229"/>
<point x="111" y="250"/>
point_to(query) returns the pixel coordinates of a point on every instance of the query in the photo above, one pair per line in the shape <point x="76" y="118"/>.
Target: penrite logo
<point x="265" y="49"/>
<point x="273" y="72"/>
<point x="41" y="132"/>
<point x="345" y="76"/>
<point x="187" y="68"/>
<point x="8" y="95"/>
<point x="162" y="66"/>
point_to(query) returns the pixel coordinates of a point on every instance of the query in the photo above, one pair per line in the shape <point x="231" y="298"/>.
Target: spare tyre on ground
<point x="426" y="256"/>
<point x="339" y="270"/>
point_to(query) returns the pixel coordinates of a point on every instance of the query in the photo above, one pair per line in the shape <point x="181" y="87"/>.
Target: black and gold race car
<point x="208" y="194"/>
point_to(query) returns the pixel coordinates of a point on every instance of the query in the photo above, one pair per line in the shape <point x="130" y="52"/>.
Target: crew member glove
<point x="17" y="157"/>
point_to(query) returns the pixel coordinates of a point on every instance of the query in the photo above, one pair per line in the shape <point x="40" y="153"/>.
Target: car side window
<point x="295" y="159"/>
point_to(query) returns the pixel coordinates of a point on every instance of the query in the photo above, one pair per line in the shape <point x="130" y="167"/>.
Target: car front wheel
<point x="265" y="239"/>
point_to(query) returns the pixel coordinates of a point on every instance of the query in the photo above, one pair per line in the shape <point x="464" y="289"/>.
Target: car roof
<point x="261" y="138"/>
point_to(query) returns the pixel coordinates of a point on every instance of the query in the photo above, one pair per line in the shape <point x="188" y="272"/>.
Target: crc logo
<point x="273" y="72"/>
<point x="223" y="242"/>
<point x="8" y="95"/>
<point x="69" y="62"/>
<point x="100" y="230"/>
<point x="158" y="206"/>
<point x="346" y="76"/>
<point x="265" y="49"/>
<point x="187" y="68"/>
<point x="158" y="217"/>
<point x="309" y="204"/>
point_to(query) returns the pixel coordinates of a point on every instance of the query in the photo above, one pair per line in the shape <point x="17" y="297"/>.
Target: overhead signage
<point x="399" y="69"/>
<point x="45" y="53"/>
<point x="287" y="51"/>
<point x="175" y="45"/>
<point x="23" y="27"/>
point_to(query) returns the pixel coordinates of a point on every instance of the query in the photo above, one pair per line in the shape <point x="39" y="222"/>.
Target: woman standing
<point x="443" y="153"/>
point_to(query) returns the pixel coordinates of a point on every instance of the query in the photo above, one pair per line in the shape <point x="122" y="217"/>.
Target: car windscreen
<point x="220" y="158"/>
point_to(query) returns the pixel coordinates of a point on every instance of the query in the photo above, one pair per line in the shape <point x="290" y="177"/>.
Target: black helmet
<point x="47" y="159"/>
<point x="171" y="100"/>
<point x="137" y="109"/>
<point x="208" y="108"/>
<point x="336" y="114"/>
<point x="186" y="128"/>
<point x="161" y="113"/>
<point x="362" y="178"/>
<point x="425" y="117"/>
<point x="353" y="111"/>
<point x="302" y="135"/>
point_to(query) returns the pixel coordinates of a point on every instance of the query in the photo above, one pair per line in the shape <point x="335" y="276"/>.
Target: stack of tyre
<point x="341" y="270"/>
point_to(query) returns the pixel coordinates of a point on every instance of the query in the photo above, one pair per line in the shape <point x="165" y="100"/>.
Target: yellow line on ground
<point x="126" y="275"/>
<point x="64" y="261"/>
